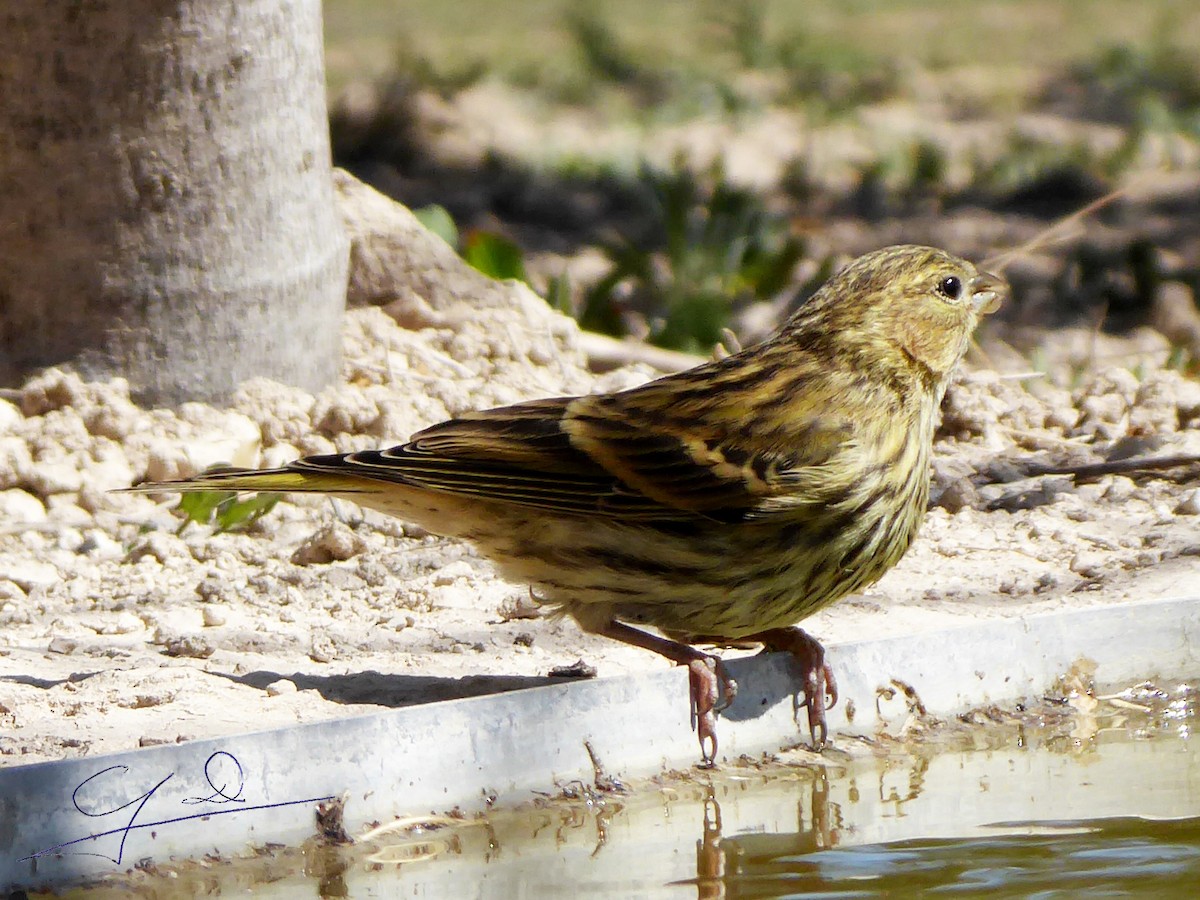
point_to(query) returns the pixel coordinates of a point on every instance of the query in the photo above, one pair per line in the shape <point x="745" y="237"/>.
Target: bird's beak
<point x="986" y="292"/>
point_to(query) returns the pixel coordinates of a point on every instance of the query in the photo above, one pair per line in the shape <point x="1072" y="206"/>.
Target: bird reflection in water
<point x="727" y="866"/>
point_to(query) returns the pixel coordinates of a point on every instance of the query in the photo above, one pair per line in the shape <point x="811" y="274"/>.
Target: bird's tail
<point x="285" y="480"/>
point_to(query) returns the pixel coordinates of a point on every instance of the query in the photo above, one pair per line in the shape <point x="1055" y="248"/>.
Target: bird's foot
<point x="709" y="685"/>
<point x="820" y="687"/>
<point x="711" y="691"/>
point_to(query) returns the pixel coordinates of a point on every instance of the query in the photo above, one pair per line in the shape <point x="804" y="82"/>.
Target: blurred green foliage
<point x="223" y="510"/>
<point x="703" y="246"/>
<point x="492" y="254"/>
<point x="438" y="220"/>
<point x="1153" y="86"/>
<point x="709" y="245"/>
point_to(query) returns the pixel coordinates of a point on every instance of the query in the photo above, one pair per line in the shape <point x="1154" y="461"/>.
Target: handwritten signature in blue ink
<point x="224" y="775"/>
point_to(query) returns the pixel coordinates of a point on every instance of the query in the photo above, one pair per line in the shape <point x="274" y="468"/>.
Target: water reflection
<point x="1107" y="856"/>
<point x="1104" y="857"/>
<point x="722" y="862"/>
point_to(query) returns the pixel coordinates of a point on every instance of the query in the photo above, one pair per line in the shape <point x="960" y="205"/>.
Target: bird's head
<point x="905" y="306"/>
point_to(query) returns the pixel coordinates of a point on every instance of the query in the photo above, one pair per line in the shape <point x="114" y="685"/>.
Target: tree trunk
<point x="166" y="206"/>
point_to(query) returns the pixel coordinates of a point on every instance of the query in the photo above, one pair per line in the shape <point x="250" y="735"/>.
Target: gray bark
<point x="166" y="206"/>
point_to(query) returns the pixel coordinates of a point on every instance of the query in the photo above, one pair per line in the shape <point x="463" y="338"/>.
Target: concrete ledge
<point x="63" y="821"/>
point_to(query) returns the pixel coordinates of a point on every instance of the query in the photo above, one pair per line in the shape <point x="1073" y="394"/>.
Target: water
<point x="1096" y="797"/>
<point x="1108" y="857"/>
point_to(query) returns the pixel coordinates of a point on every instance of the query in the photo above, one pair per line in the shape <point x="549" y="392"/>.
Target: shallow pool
<point x="1079" y="794"/>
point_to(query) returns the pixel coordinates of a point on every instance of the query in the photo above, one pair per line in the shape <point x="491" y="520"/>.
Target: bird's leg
<point x="820" y="687"/>
<point x="710" y="687"/>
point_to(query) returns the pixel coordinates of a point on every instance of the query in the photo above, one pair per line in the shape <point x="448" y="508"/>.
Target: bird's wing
<point x="716" y="463"/>
<point x="515" y="454"/>
<point x="601" y="455"/>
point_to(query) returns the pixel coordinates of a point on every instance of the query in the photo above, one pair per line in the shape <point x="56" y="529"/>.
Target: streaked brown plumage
<point x="724" y="503"/>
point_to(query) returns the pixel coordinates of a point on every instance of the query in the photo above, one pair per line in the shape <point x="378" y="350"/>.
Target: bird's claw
<point x="712" y="691"/>
<point x="820" y="694"/>
<point x="820" y="687"/>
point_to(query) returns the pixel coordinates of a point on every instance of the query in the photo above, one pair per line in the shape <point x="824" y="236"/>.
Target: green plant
<point x="1029" y="160"/>
<point x="710" y="244"/>
<point x="744" y="24"/>
<point x="446" y="80"/>
<point x="559" y="294"/>
<point x="928" y="173"/>
<point x="223" y="510"/>
<point x="494" y="255"/>
<point x="436" y="219"/>
<point x="1156" y="86"/>
<point x="608" y="59"/>
<point x="834" y="77"/>
<point x="603" y="52"/>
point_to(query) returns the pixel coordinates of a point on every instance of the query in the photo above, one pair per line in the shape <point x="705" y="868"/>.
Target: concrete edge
<point x="78" y="818"/>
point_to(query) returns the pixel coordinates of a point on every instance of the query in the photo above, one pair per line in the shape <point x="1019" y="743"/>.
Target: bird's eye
<point x="951" y="286"/>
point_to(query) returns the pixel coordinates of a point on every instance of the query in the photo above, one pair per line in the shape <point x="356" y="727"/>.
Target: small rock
<point x="15" y="461"/>
<point x="1189" y="505"/>
<point x="1173" y="312"/>
<point x="333" y="542"/>
<point x="519" y="606"/>
<point x="214" y="617"/>
<point x="1032" y="497"/>
<point x="372" y="572"/>
<point x="450" y="573"/>
<point x="214" y="589"/>
<point x="30" y="574"/>
<point x="1111" y="381"/>
<point x="343" y="580"/>
<point x="399" y="623"/>
<point x="577" y="669"/>
<point x="192" y="646"/>
<point x="960" y="495"/>
<point x="63" y="645"/>
<point x="1064" y="417"/>
<point x="159" y="545"/>
<point x="1121" y="488"/>
<point x="1002" y="471"/>
<point x="315" y="445"/>
<point x="52" y="389"/>
<point x="1101" y="415"/>
<point x="1046" y="581"/>
<point x="147" y="701"/>
<point x="114" y="416"/>
<point x="1153" y="410"/>
<point x="122" y="623"/>
<point x="55" y="476"/>
<point x="99" y="545"/>
<point x="10" y="417"/>
<point x="281" y="687"/>
<point x="1087" y="563"/>
<point x="10" y="590"/>
<point x="21" y="507"/>
<point x="322" y="649"/>
<point x="278" y="455"/>
<point x="1187" y="402"/>
<point x="219" y="437"/>
<point x="63" y="510"/>
<point x="347" y="409"/>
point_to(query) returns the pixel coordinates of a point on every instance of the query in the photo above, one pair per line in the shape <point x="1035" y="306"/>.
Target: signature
<point x="226" y="783"/>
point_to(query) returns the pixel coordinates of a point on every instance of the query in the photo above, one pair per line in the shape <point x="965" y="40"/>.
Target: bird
<point x="718" y="506"/>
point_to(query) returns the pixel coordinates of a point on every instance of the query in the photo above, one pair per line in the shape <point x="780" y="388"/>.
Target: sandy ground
<point x="118" y="629"/>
